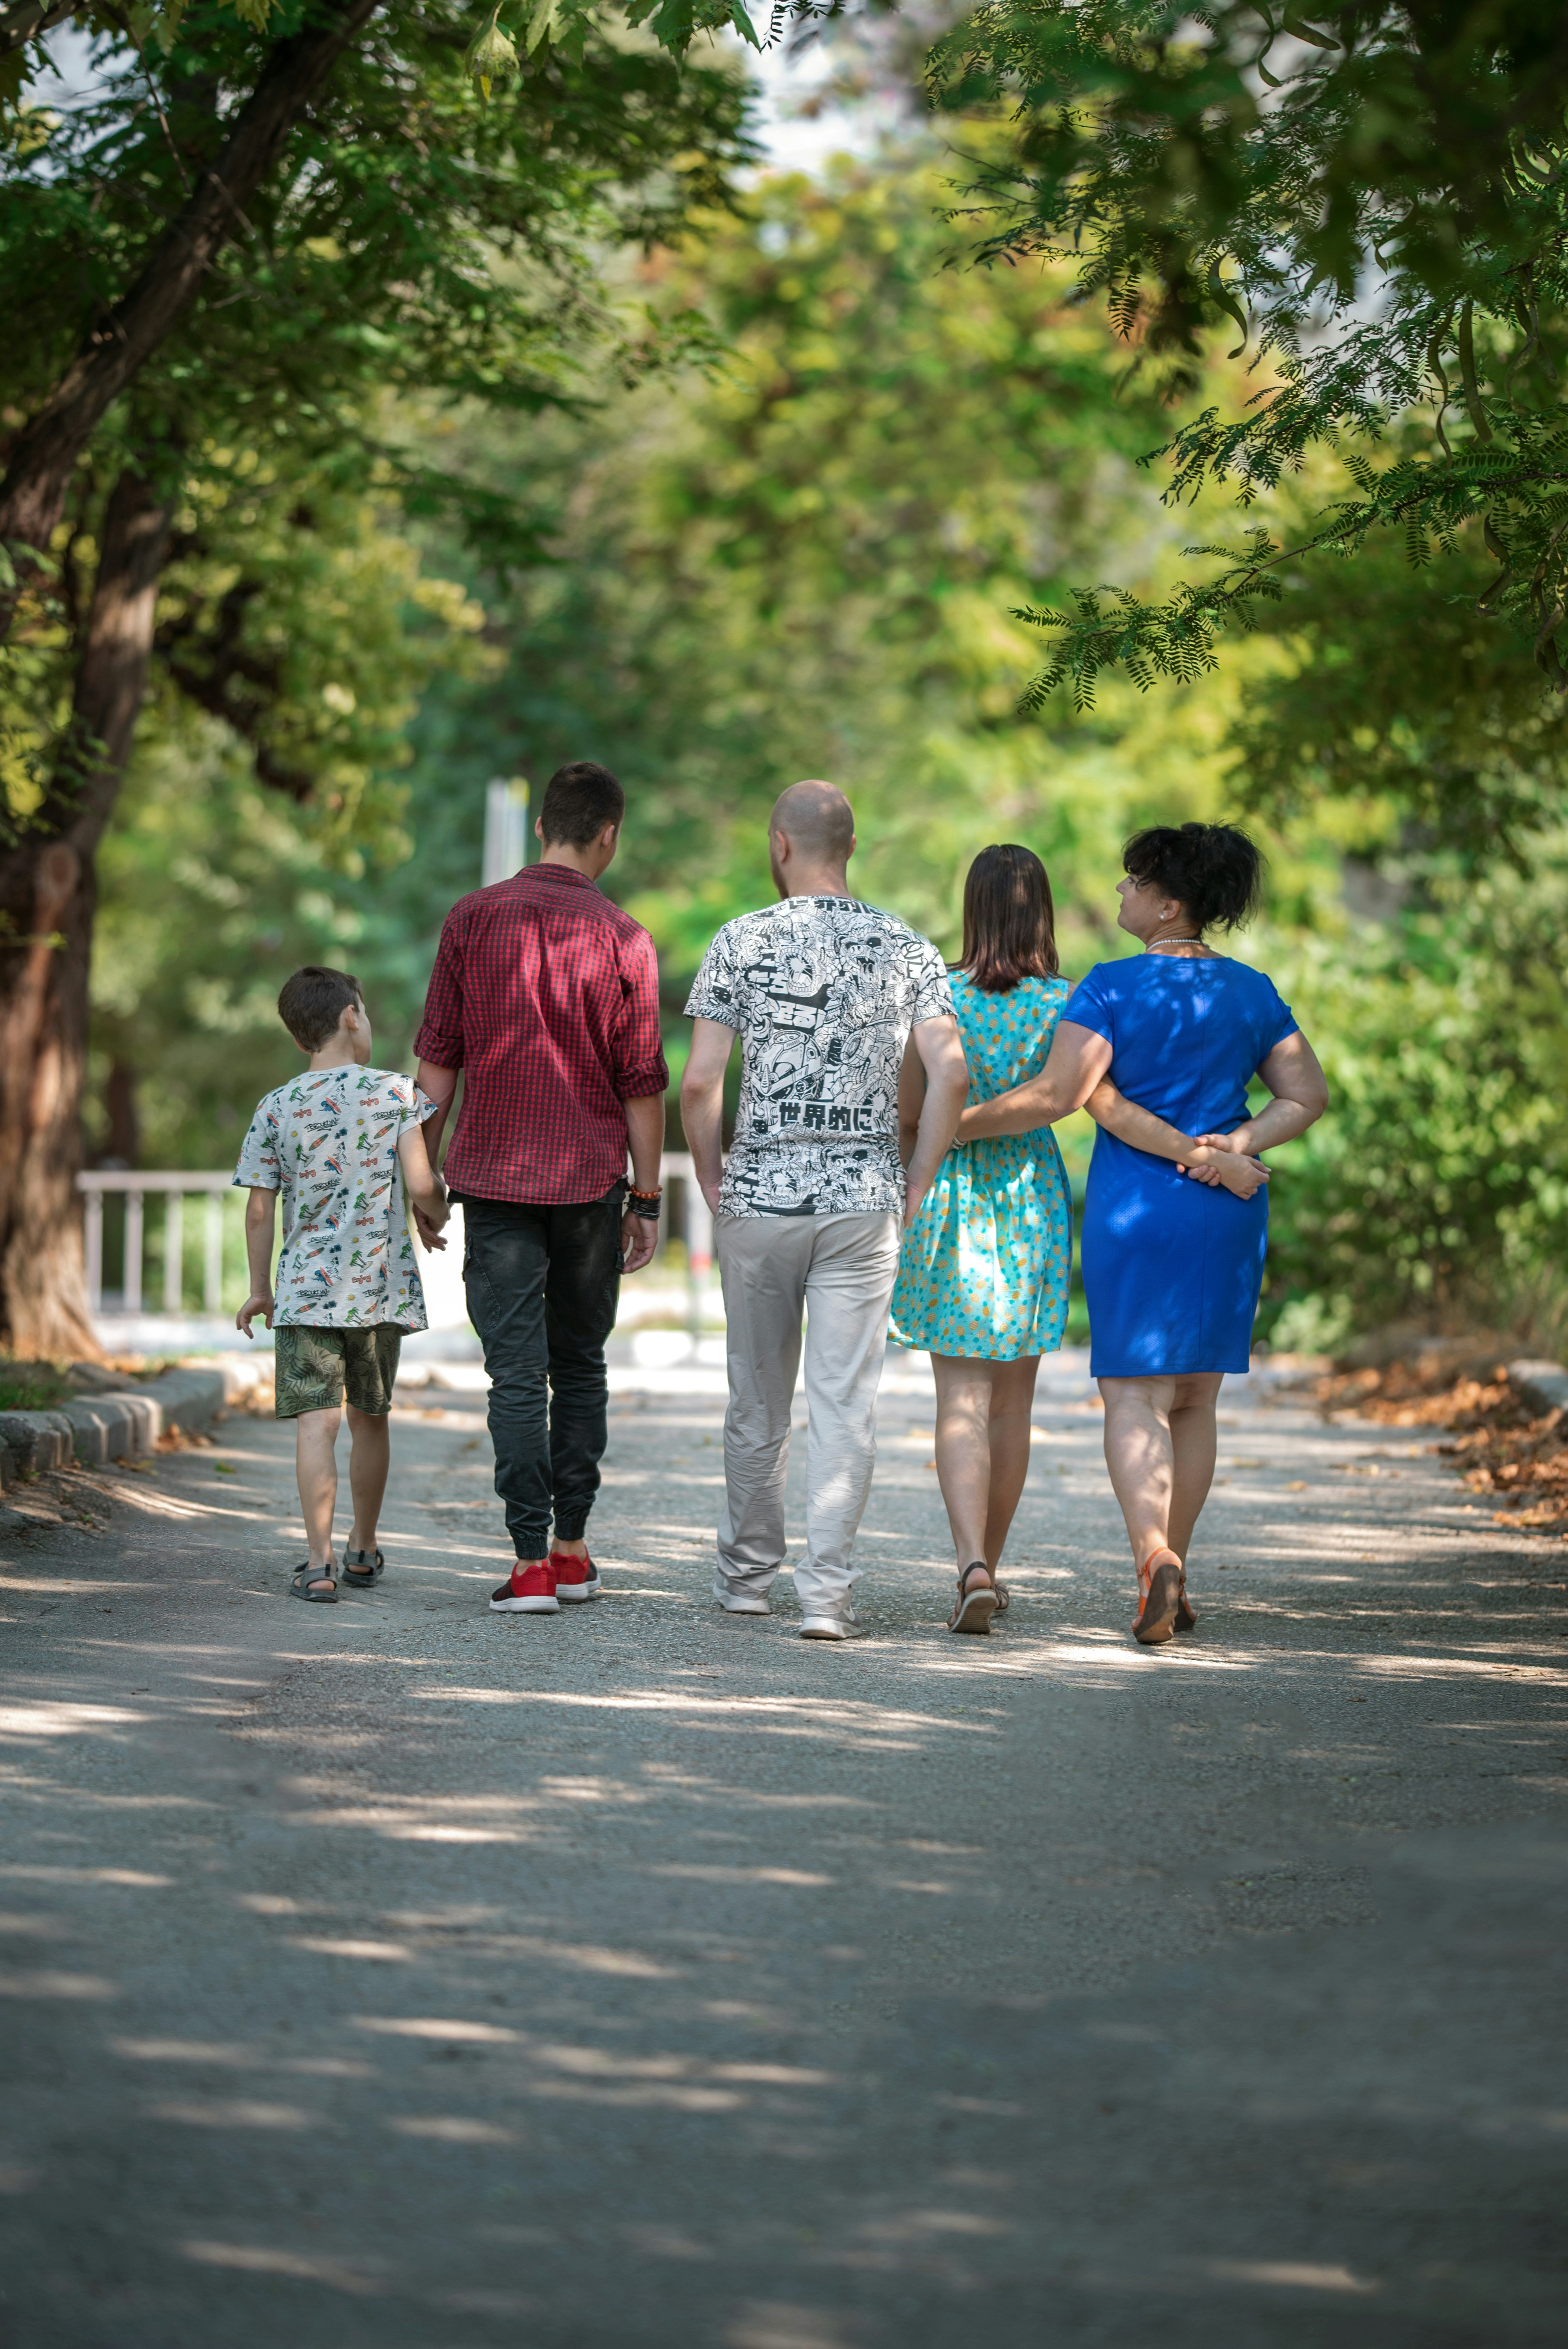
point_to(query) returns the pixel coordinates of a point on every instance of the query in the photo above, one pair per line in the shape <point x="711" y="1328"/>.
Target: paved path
<point x="398" y="1976"/>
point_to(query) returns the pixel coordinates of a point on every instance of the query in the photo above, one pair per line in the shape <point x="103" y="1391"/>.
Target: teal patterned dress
<point x="985" y="1267"/>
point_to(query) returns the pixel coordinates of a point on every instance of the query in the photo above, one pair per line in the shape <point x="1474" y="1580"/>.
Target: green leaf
<point x="1306" y="32"/>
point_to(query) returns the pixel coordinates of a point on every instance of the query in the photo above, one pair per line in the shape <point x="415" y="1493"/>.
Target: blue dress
<point x="985" y="1267"/>
<point x="1172" y="1268"/>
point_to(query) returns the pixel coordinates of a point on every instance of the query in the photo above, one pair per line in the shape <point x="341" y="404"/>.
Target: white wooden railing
<point x="135" y="1183"/>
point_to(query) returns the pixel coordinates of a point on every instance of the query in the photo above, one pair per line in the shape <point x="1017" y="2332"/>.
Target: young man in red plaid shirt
<point x="546" y="996"/>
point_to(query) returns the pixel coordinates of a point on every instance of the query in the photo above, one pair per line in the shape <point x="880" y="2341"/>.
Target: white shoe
<point x="823" y="1627"/>
<point x="734" y="1603"/>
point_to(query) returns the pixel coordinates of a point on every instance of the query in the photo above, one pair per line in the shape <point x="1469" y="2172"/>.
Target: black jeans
<point x="541" y="1285"/>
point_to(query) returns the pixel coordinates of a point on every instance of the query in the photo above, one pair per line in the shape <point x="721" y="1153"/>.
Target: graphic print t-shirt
<point x="823" y="992"/>
<point x="328" y="1141"/>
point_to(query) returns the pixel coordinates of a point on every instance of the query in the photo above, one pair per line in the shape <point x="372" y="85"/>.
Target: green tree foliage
<point x="412" y="238"/>
<point x="1372" y="196"/>
<point x="800" y="560"/>
<point x="1436" y="1187"/>
<point x="221" y="259"/>
<point x="491" y="55"/>
<point x="1392" y="697"/>
<point x="796" y="561"/>
<point x="800" y="563"/>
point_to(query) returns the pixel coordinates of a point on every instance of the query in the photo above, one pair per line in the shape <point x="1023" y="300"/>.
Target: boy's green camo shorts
<point x="315" y="1367"/>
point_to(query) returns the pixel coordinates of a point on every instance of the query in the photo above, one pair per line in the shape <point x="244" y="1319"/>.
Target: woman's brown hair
<point x="1009" y="922"/>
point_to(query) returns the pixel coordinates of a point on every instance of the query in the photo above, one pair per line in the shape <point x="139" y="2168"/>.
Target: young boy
<point x="342" y="1143"/>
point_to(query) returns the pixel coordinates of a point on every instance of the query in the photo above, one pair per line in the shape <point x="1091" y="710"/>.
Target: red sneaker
<point x="575" y="1577"/>
<point x="530" y="1592"/>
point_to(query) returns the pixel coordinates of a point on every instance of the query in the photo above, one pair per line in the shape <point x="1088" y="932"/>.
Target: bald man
<point x="824" y="993"/>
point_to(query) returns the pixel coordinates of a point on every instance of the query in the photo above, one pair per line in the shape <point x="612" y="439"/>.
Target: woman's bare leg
<point x="1192" y="1440"/>
<point x="964" y="1449"/>
<point x="1012" y="1403"/>
<point x="1160" y="1449"/>
<point x="1142" y="1457"/>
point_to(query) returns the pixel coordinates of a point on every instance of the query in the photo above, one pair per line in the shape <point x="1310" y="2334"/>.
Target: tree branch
<point x="26" y="20"/>
<point x="33" y="494"/>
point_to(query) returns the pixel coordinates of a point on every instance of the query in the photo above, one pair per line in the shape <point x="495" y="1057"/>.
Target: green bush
<point x="1437" y="1185"/>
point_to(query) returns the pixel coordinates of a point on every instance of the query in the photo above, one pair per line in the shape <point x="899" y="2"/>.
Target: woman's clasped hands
<point x="1228" y="1164"/>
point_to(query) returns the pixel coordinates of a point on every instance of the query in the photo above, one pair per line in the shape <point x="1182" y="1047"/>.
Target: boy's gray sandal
<point x="361" y="1569"/>
<point x="303" y="1576"/>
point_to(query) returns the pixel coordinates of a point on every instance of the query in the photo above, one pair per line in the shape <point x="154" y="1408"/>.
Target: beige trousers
<point x="839" y="1271"/>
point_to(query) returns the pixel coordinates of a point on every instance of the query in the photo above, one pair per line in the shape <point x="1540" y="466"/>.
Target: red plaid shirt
<point x="547" y="997"/>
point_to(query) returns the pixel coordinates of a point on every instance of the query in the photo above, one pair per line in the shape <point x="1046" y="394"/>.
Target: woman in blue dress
<point x="1171" y="1266"/>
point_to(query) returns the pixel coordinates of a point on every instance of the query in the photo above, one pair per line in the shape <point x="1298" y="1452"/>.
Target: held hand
<point x="1236" y="1175"/>
<point x="710" y="1192"/>
<point x="913" y="1200"/>
<point x="639" y="1237"/>
<point x="1226" y="1162"/>
<point x="428" y="1230"/>
<point x="1242" y="1176"/>
<point x="260" y="1303"/>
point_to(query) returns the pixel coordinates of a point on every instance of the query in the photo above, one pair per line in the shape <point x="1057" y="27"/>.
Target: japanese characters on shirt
<point x="823" y="992"/>
<point x="328" y="1141"/>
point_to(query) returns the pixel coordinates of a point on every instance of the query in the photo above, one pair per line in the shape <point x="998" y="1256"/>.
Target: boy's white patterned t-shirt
<point x="823" y="991"/>
<point x="328" y="1141"/>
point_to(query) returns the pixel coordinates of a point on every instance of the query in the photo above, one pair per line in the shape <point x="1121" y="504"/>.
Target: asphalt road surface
<point x="400" y="1976"/>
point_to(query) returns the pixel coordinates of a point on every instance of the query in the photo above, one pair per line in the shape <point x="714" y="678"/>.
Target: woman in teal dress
<point x="983" y="1279"/>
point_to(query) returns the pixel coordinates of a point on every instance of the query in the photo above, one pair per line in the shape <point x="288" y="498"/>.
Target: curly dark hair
<point x="1214" y="870"/>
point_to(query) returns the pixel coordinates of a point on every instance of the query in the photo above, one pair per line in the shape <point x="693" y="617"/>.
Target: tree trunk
<point x="48" y="895"/>
<point x="33" y="493"/>
<point x="123" y="1140"/>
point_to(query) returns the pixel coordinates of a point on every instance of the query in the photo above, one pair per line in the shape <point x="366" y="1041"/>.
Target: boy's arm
<point x="427" y="1192"/>
<point x="260" y="1219"/>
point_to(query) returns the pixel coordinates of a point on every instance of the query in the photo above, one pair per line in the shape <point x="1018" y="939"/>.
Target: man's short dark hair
<point x="312" y="1003"/>
<point x="580" y="799"/>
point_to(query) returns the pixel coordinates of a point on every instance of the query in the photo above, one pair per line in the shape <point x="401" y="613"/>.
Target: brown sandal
<point x="974" y="1609"/>
<point x="1159" y="1585"/>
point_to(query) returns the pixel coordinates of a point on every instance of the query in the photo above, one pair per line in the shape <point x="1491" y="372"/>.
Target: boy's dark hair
<point x="1213" y="869"/>
<point x="579" y="801"/>
<point x="1009" y="922"/>
<point x="312" y="1003"/>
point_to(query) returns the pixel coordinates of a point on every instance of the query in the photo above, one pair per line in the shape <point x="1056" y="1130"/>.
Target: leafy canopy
<point x="1372" y="196"/>
<point x="409" y="239"/>
<point x="154" y="26"/>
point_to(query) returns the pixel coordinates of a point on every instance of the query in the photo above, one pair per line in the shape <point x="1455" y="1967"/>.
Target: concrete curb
<point x="36" y="1440"/>
<point x="1544" y="1385"/>
<point x="121" y="1424"/>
